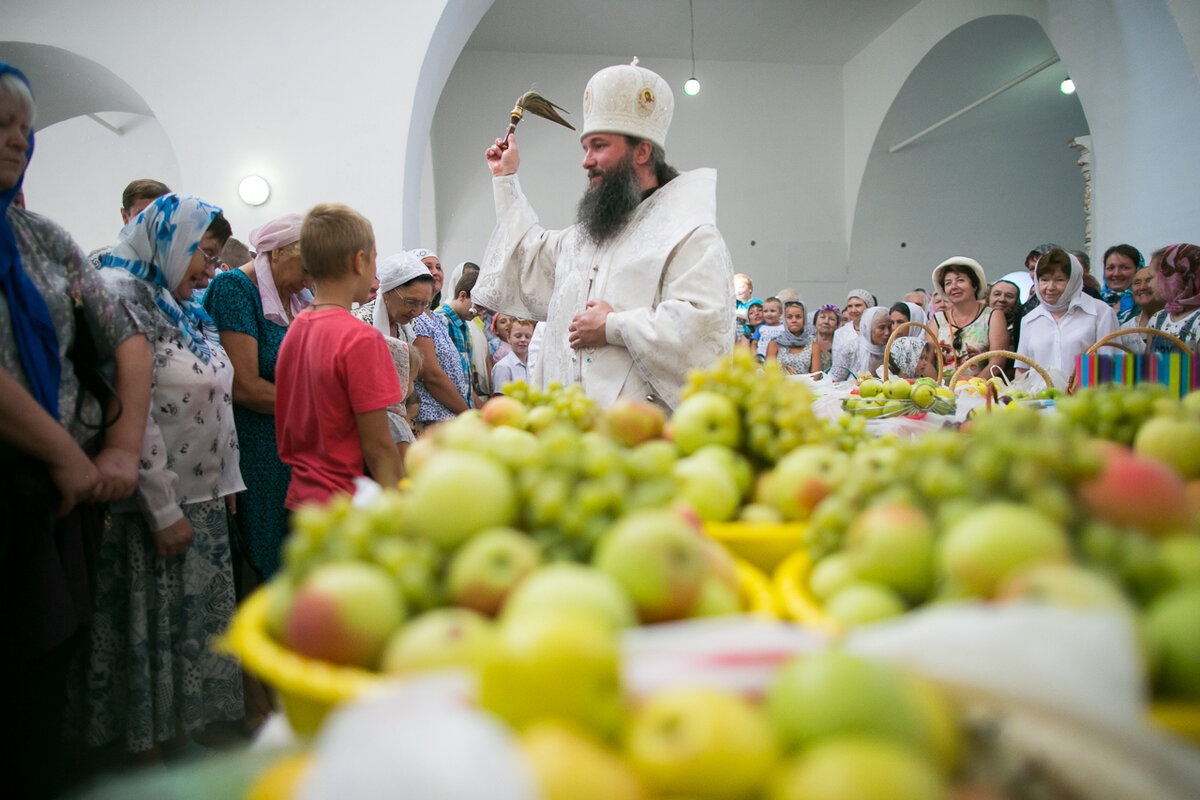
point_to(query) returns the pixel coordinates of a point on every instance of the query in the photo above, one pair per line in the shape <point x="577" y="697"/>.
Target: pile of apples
<point x="831" y="726"/>
<point x="874" y="398"/>
<point x="462" y="604"/>
<point x="1025" y="507"/>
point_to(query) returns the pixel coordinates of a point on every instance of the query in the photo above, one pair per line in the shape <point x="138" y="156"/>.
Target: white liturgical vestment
<point x="668" y="277"/>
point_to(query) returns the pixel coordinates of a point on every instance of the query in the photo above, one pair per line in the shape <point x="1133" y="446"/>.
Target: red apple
<point x="1136" y="492"/>
<point x="504" y="410"/>
<point x="489" y="566"/>
<point x="634" y="421"/>
<point x="344" y="613"/>
<point x="658" y="559"/>
<point x="805" y="477"/>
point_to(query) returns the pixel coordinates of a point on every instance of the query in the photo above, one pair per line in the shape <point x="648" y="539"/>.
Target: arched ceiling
<point x="67" y="85"/>
<point x="774" y="31"/>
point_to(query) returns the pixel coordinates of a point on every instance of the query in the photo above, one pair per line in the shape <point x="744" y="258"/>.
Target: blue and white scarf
<point x="157" y="246"/>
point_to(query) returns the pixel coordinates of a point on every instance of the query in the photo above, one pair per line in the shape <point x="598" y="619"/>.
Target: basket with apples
<point x="1020" y="507"/>
<point x="939" y="706"/>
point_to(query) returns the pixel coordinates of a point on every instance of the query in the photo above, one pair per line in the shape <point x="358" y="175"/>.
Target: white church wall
<point x="322" y="110"/>
<point x="772" y="131"/>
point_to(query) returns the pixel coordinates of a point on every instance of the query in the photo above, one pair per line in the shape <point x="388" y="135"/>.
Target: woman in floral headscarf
<point x="165" y="587"/>
<point x="1178" y="284"/>
<point x="252" y="306"/>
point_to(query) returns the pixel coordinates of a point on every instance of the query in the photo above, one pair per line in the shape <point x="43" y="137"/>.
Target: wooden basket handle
<point x="973" y="360"/>
<point x="1104" y="340"/>
<point x="887" y="350"/>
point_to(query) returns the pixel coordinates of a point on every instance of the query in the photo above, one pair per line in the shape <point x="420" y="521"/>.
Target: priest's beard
<point x="607" y="206"/>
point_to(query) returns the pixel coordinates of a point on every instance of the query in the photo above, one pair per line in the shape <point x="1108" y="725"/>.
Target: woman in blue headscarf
<point x="55" y="468"/>
<point x="166" y="582"/>
<point x="1121" y="263"/>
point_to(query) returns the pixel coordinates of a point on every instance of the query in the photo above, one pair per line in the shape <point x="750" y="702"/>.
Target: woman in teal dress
<point x="252" y="306"/>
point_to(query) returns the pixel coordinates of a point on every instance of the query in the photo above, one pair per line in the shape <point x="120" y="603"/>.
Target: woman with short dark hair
<point x="967" y="327"/>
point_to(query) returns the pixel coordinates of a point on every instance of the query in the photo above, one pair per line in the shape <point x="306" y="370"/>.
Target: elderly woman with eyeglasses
<point x="252" y="307"/>
<point x="405" y="293"/>
<point x="165" y="586"/>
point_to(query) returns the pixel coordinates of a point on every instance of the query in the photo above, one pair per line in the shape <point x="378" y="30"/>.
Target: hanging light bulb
<point x="691" y="87"/>
<point x="1067" y="86"/>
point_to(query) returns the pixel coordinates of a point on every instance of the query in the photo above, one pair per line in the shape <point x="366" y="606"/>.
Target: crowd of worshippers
<point x="1049" y="312"/>
<point x="168" y="401"/>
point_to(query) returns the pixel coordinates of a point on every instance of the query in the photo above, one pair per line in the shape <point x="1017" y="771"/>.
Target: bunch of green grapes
<point x="338" y="531"/>
<point x="775" y="409"/>
<point x="1116" y="411"/>
<point x="579" y="483"/>
<point x="562" y="403"/>
<point x="1029" y="458"/>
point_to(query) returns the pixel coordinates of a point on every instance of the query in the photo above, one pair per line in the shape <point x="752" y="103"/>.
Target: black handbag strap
<point x="95" y="366"/>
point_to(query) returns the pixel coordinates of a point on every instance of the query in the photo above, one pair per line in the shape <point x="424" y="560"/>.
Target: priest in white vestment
<point x="640" y="290"/>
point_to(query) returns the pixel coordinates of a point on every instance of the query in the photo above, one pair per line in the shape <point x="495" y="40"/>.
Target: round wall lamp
<point x="254" y="190"/>
<point x="1067" y="86"/>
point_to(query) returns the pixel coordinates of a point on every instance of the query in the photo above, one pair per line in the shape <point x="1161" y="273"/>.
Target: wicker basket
<point x="973" y="360"/>
<point x="887" y="350"/>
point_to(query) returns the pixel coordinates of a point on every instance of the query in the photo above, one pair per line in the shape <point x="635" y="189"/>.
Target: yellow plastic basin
<point x="763" y="544"/>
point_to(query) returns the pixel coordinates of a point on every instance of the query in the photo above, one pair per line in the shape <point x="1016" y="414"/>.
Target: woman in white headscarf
<point x="165" y="579"/>
<point x="907" y="311"/>
<point x="252" y="307"/>
<point x="405" y="293"/>
<point x="874" y="328"/>
<point x="1066" y="321"/>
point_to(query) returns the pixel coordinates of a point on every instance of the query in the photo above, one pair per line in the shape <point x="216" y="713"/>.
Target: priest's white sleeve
<point x="517" y="274"/>
<point x="691" y="324"/>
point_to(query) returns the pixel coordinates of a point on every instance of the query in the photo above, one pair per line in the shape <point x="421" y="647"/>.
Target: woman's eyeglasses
<point x="413" y="303"/>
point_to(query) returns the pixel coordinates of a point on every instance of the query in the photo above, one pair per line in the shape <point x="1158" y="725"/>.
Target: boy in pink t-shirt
<point x="334" y="378"/>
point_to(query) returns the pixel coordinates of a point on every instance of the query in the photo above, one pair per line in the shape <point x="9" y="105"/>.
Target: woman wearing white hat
<point x="967" y="327"/>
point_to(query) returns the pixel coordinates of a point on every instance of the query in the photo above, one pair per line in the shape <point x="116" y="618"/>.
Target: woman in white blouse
<point x="165" y="584"/>
<point x="1066" y="321"/>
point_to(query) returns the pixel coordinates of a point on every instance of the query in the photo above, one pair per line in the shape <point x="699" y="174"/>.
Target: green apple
<point x="737" y="464"/>
<point x="759" y="512"/>
<point x="894" y="545"/>
<point x="706" y="418"/>
<point x="832" y="692"/>
<point x="830" y="574"/>
<point x="554" y="664"/>
<point x="574" y="588"/>
<point x="280" y="592"/>
<point x="439" y="639"/>
<point x="344" y="613"/>
<point x="857" y="768"/>
<point x="458" y="494"/>
<point x="1172" y="629"/>
<point x="702" y="743"/>
<point x="504" y="410"/>
<point x="897" y="389"/>
<point x="1065" y="585"/>
<point x="708" y="486"/>
<point x="419" y="453"/>
<point x="651" y="459"/>
<point x="541" y="418"/>
<point x="483" y="572"/>
<point x="805" y="477"/>
<point x="716" y="599"/>
<point x="870" y="388"/>
<point x="634" y="421"/>
<point x="923" y="395"/>
<point x="1175" y="441"/>
<point x="515" y="448"/>
<point x="658" y="559"/>
<point x="861" y="603"/>
<point x="1180" y="557"/>
<point x="986" y="545"/>
<point x="570" y="764"/>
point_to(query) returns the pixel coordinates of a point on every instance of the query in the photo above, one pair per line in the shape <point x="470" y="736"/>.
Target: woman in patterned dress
<point x="967" y="327"/>
<point x="56" y="470"/>
<point x="1178" y="283"/>
<point x="794" y="347"/>
<point x="165" y="586"/>
<point x="252" y="307"/>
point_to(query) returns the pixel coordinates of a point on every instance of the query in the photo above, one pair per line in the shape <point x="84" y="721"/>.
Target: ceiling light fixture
<point x="254" y="190"/>
<point x="691" y="87"/>
<point x="1067" y="86"/>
